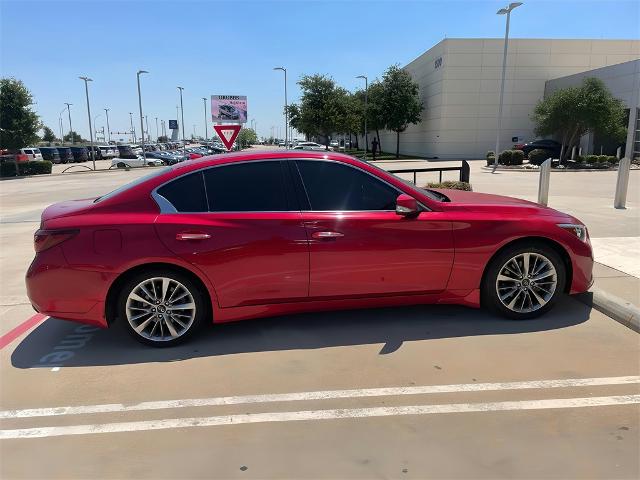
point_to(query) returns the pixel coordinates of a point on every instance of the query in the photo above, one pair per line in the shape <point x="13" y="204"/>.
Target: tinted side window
<point x="247" y="187"/>
<point x="186" y="193"/>
<point x="335" y="186"/>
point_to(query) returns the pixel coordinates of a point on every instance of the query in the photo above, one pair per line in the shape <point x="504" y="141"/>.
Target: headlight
<point x="579" y="231"/>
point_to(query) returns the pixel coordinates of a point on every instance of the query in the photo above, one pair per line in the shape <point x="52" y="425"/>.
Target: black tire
<point x="202" y="308"/>
<point x="489" y="290"/>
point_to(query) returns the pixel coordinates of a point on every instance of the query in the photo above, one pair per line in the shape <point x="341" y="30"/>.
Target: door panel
<point x="378" y="253"/>
<point x="251" y="258"/>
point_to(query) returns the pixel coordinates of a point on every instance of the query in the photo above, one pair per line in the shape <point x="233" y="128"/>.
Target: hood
<point x="485" y="202"/>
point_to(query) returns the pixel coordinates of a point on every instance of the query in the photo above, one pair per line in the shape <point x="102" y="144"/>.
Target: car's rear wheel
<point x="161" y="308"/>
<point x="524" y="281"/>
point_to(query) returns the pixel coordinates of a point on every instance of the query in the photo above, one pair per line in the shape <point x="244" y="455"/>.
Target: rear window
<point x="186" y="193"/>
<point x="132" y="184"/>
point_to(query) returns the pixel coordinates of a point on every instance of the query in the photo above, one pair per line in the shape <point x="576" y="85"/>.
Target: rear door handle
<point x="326" y="235"/>
<point x="192" y="236"/>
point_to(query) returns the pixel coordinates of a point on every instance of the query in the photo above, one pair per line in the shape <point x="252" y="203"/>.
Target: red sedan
<point x="247" y="235"/>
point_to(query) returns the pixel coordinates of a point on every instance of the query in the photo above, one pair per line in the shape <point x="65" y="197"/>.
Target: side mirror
<point x="407" y="206"/>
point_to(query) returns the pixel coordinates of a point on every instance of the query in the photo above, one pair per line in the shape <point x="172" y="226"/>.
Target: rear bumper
<point x="57" y="290"/>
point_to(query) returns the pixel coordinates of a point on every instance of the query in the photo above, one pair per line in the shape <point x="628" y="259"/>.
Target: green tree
<point x="401" y="105"/>
<point x="247" y="137"/>
<point x="322" y="106"/>
<point x="18" y="123"/>
<point x="570" y="113"/>
<point x="48" y="135"/>
<point x="163" y="139"/>
<point x="73" y="137"/>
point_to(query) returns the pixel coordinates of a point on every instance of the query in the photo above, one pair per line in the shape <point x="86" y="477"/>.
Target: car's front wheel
<point x="524" y="281"/>
<point x="161" y="308"/>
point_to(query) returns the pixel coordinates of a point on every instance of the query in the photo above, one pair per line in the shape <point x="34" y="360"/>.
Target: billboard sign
<point x="173" y="124"/>
<point x="229" y="108"/>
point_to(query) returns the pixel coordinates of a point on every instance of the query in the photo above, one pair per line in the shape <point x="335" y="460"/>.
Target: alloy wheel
<point x="160" y="309"/>
<point x="526" y="282"/>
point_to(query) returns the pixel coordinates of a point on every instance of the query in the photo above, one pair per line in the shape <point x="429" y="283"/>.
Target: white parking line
<point x="310" y="415"/>
<point x="318" y="395"/>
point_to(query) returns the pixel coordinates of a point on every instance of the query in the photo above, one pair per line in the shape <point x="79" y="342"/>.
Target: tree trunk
<point x="397" y="144"/>
<point x="379" y="144"/>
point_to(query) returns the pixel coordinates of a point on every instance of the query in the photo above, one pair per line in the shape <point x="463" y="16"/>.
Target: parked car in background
<point x="51" y="154"/>
<point x="229" y="112"/>
<point x="80" y="154"/>
<point x="32" y="153"/>
<point x="66" y="156"/>
<point x="310" y="146"/>
<point x="96" y="151"/>
<point x="107" y="151"/>
<point x="14" y="157"/>
<point x="551" y="146"/>
<point x="138" y="161"/>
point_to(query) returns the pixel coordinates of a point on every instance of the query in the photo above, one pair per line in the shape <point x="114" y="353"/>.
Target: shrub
<point x="517" y="157"/>
<point x="602" y="158"/>
<point x="451" y="184"/>
<point x="8" y="169"/>
<point x="580" y="158"/>
<point x="537" y="156"/>
<point x="612" y="159"/>
<point x="505" y="157"/>
<point x="491" y="157"/>
<point x="592" y="158"/>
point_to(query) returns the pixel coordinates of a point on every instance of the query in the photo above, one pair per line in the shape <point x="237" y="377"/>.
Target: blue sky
<point x="230" y="47"/>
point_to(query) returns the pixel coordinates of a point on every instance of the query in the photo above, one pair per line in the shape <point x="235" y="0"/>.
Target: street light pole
<point x="70" y="127"/>
<point x="503" y="11"/>
<point x="366" y="132"/>
<point x="144" y="155"/>
<point x="61" y="126"/>
<point x="86" y="89"/>
<point x="286" y="113"/>
<point x="157" y="136"/>
<point x="184" y="146"/>
<point x="206" y="130"/>
<point x="106" y="111"/>
<point x="133" y="131"/>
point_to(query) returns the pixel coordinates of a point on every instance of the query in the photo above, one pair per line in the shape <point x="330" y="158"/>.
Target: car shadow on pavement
<point x="61" y="343"/>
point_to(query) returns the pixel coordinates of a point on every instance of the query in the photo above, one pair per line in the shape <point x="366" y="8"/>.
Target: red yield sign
<point x="227" y="134"/>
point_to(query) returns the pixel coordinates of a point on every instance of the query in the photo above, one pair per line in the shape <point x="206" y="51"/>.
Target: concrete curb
<point x="622" y="311"/>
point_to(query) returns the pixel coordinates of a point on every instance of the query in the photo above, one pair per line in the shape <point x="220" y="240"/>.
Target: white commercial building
<point x="459" y="83"/>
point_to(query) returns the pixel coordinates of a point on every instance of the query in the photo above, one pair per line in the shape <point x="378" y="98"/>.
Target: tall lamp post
<point x="184" y="146"/>
<point x="503" y="11"/>
<point x="86" y="90"/>
<point x="61" y="126"/>
<point x="366" y="132"/>
<point x="206" y="131"/>
<point x="106" y="112"/>
<point x="70" y="127"/>
<point x="133" y="130"/>
<point x="157" y="135"/>
<point x="144" y="155"/>
<point x="286" y="113"/>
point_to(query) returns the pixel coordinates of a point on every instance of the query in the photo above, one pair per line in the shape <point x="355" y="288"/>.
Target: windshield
<point x="132" y="184"/>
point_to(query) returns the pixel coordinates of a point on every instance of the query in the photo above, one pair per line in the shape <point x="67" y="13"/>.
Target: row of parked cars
<point x="131" y="155"/>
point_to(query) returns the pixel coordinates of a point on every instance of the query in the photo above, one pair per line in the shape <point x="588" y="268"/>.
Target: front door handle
<point x="192" y="236"/>
<point x="326" y="235"/>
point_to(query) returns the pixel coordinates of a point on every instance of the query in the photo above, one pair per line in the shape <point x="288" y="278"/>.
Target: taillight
<point x="44" y="239"/>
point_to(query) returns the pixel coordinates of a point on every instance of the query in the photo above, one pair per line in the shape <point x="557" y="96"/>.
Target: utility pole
<point x="86" y="89"/>
<point x="106" y="111"/>
<point x="70" y="127"/>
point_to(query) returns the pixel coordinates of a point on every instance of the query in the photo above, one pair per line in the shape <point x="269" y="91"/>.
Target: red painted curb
<point x="10" y="336"/>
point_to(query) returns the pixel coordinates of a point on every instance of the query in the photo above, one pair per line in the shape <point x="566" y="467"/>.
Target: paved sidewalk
<point x="617" y="283"/>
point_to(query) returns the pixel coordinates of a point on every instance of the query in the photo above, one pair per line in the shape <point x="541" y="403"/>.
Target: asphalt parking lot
<point x="415" y="392"/>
